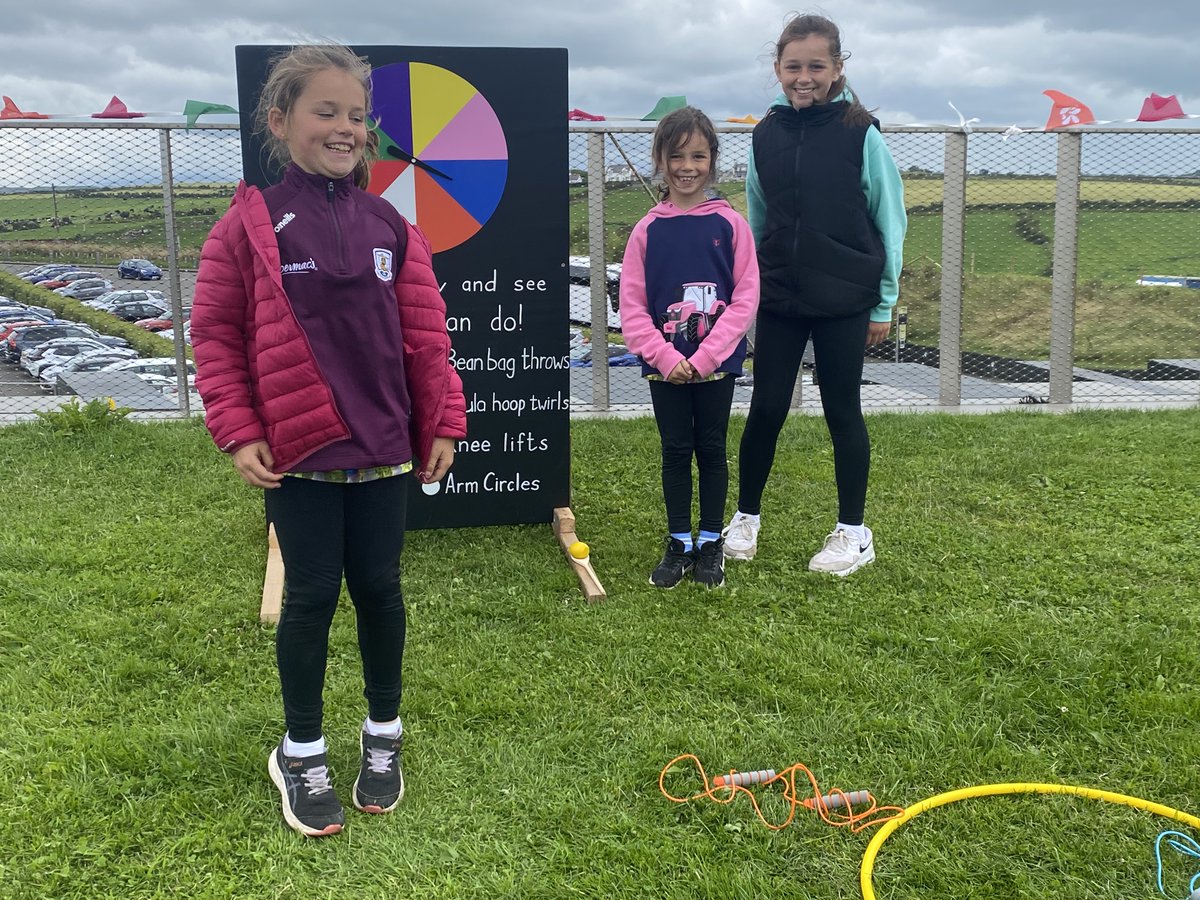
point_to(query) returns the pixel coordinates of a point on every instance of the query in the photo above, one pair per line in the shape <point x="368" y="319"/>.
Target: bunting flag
<point x="11" y="111"/>
<point x="578" y="115"/>
<point x="194" y="109"/>
<point x="116" y="110"/>
<point x="664" y="106"/>
<point x="1067" y="111"/>
<point x="744" y="120"/>
<point x="1156" y="108"/>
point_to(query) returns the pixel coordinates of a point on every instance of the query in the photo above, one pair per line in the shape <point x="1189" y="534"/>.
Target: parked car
<point x="159" y="365"/>
<point x="141" y="269"/>
<point x="66" y="278"/>
<point x="124" y="295"/>
<point x="163" y="322"/>
<point x="29" y="336"/>
<point x="8" y="326"/>
<point x="47" y="272"/>
<point x="139" y="309"/>
<point x="95" y="361"/>
<point x="13" y="307"/>
<point x="85" y="288"/>
<point x="57" y="350"/>
<point x="19" y="314"/>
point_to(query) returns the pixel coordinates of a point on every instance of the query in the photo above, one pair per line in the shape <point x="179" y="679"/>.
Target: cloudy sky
<point x="910" y="58"/>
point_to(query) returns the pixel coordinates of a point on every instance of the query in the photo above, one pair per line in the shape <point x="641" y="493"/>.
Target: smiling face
<point x="686" y="170"/>
<point x="326" y="128"/>
<point x="806" y="69"/>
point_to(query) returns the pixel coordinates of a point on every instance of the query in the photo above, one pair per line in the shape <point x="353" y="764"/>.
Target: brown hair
<point x="674" y="130"/>
<point x="290" y="74"/>
<point x="801" y="26"/>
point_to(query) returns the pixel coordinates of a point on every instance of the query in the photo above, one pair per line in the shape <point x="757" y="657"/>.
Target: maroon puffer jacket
<point x="255" y="370"/>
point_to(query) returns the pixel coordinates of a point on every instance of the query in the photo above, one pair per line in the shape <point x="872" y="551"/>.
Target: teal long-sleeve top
<point x="881" y="185"/>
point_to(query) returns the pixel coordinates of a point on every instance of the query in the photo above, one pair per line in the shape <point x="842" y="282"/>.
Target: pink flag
<point x="1067" y="111"/>
<point x="11" y="111"/>
<point x="578" y="115"/>
<point x="1156" y="108"/>
<point x="116" y="110"/>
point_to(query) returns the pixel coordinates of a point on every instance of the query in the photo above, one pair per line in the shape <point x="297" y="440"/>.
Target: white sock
<point x="392" y="729"/>
<point x="312" y="748"/>
<point x="856" y="532"/>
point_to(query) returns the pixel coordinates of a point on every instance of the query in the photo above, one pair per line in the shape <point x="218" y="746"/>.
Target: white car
<point x="58" y="350"/>
<point x="95" y="361"/>
<point x="160" y="365"/>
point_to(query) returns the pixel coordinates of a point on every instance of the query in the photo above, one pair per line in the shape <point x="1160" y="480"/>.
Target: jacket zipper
<point x="796" y="192"/>
<point x="330" y="190"/>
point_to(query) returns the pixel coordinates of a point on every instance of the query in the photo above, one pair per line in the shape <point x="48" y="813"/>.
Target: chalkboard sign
<point x="473" y="150"/>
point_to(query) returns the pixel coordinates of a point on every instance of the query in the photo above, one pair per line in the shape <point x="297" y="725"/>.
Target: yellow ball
<point x="579" y="550"/>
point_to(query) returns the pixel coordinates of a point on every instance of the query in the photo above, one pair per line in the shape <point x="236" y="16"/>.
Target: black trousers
<point x="327" y="530"/>
<point x="693" y="420"/>
<point x="838" y="350"/>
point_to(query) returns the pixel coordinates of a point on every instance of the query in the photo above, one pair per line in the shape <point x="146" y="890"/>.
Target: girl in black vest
<point x="826" y="206"/>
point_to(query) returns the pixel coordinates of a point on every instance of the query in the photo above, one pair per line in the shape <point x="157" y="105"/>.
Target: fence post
<point x="598" y="277"/>
<point x="168" y="186"/>
<point x="1066" y="258"/>
<point x="954" y="220"/>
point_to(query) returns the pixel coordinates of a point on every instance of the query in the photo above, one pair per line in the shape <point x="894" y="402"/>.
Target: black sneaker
<point x="309" y="803"/>
<point x="710" y="564"/>
<point x="380" y="782"/>
<point x="676" y="563"/>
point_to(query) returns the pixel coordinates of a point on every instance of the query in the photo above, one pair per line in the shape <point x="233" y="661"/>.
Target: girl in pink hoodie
<point x="689" y="293"/>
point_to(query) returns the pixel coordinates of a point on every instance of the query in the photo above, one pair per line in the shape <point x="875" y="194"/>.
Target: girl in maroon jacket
<point x="322" y="357"/>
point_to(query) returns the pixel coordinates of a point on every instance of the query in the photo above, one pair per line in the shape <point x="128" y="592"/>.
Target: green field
<point x="109" y="224"/>
<point x="1141" y="230"/>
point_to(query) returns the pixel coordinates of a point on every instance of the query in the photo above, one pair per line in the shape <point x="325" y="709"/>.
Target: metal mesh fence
<point x="1061" y="268"/>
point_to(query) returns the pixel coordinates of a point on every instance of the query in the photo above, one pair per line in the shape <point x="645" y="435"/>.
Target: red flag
<point x="1067" y="111"/>
<point x="116" y="110"/>
<point x="1156" y="108"/>
<point x="11" y="111"/>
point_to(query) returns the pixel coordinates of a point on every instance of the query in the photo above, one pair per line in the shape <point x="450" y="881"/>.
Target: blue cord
<point x="1185" y="845"/>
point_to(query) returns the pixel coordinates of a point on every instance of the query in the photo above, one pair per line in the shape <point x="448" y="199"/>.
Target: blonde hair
<point x="290" y="74"/>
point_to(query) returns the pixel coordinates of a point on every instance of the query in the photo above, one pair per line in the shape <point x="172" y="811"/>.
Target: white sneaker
<point x="842" y="554"/>
<point x="741" y="536"/>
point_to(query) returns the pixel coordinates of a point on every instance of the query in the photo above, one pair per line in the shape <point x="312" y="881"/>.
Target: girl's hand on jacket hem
<point x="441" y="457"/>
<point x="255" y="464"/>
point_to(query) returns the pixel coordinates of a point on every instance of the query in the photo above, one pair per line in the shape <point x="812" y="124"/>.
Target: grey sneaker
<point x="842" y="554"/>
<point x="741" y="536"/>
<point x="380" y="782"/>
<point x="310" y="805"/>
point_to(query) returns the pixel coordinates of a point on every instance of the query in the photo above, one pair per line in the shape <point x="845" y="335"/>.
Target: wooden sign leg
<point x="564" y="527"/>
<point x="272" y="596"/>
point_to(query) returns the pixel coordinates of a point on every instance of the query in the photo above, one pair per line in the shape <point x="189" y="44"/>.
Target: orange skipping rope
<point x="835" y="808"/>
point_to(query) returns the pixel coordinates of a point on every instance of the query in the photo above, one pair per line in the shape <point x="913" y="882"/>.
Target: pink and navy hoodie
<point x="673" y="256"/>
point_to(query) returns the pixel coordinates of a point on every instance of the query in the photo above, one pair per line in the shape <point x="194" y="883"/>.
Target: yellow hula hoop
<point x="992" y="790"/>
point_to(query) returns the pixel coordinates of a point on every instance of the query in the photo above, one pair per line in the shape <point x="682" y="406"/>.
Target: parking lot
<point x="18" y="389"/>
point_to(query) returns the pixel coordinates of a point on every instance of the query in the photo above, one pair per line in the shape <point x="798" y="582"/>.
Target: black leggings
<point x="838" y="349"/>
<point x="693" y="419"/>
<point x="326" y="529"/>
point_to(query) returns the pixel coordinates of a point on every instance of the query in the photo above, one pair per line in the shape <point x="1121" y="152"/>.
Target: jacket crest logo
<point x="383" y="264"/>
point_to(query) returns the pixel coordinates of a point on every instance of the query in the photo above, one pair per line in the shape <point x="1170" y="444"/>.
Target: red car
<point x="66" y="278"/>
<point x="162" y="323"/>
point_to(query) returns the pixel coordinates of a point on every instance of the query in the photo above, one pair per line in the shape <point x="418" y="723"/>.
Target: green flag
<point x="664" y="106"/>
<point x="194" y="109"/>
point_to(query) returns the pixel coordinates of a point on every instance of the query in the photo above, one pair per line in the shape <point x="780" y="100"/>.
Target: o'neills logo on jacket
<point x="296" y="268"/>
<point x="287" y="217"/>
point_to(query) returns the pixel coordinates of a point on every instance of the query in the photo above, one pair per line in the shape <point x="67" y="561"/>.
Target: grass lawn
<point x="1032" y="616"/>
